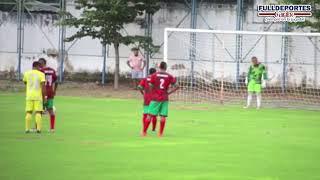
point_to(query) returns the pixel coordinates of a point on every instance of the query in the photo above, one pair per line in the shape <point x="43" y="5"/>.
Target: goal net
<point x="212" y="65"/>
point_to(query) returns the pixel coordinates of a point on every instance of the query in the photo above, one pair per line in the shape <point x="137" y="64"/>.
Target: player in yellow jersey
<point x="35" y="95"/>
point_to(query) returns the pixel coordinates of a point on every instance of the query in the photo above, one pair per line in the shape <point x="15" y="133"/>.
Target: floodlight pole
<point x="239" y="27"/>
<point x="20" y="35"/>
<point x="193" y="38"/>
<point x="62" y="36"/>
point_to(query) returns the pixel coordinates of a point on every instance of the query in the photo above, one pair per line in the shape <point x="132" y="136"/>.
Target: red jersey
<point x="161" y="82"/>
<point x="51" y="78"/>
<point x="147" y="95"/>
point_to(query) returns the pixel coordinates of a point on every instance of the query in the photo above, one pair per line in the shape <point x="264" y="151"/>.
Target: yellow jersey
<point x="33" y="80"/>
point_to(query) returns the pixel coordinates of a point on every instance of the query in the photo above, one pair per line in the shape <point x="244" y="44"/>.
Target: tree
<point x="105" y="20"/>
<point x="314" y="22"/>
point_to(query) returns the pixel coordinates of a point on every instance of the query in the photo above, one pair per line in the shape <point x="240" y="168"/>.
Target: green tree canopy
<point x="105" y="20"/>
<point x="314" y="22"/>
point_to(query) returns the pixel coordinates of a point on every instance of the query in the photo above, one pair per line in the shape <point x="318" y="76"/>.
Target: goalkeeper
<point x="256" y="80"/>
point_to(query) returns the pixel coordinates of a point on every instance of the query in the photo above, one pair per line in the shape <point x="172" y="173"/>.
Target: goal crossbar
<point x="166" y="30"/>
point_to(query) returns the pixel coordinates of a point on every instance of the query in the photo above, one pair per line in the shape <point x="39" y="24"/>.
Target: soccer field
<point x="99" y="139"/>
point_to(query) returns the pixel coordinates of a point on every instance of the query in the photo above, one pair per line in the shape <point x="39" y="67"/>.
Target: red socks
<point x="146" y="124"/>
<point x="162" y="125"/>
<point x="154" y="122"/>
<point x="144" y="119"/>
<point x="52" y="121"/>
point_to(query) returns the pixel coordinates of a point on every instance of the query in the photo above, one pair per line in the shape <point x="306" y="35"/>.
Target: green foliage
<point x="105" y="20"/>
<point x="11" y="5"/>
<point x="314" y="22"/>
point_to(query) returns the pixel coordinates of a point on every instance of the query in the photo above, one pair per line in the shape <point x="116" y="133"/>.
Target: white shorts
<point x="136" y="74"/>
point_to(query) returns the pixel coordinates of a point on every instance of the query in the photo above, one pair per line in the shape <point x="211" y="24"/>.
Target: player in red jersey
<point x="51" y="88"/>
<point x="146" y="92"/>
<point x="160" y="83"/>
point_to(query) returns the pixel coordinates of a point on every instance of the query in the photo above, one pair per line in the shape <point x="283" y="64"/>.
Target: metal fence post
<point x="285" y="48"/>
<point x="193" y="38"/>
<point x="316" y="62"/>
<point x="104" y="54"/>
<point x="148" y="33"/>
<point x="238" y="40"/>
<point x="20" y="30"/>
<point x="62" y="35"/>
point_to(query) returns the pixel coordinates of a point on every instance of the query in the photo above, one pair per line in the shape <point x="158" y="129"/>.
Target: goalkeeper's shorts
<point x="254" y="87"/>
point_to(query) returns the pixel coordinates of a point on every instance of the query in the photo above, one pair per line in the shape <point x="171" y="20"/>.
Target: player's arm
<point x="152" y="81"/>
<point x="264" y="73"/>
<point x="174" y="85"/>
<point x="144" y="63"/>
<point x="43" y="90"/>
<point x="248" y="75"/>
<point x="43" y="86"/>
<point x="128" y="63"/>
<point x="141" y="86"/>
<point x="55" y="87"/>
<point x="264" y="77"/>
<point x="55" y="79"/>
<point x="24" y="79"/>
<point x="175" y="88"/>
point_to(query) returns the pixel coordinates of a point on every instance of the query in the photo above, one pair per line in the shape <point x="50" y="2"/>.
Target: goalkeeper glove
<point x="264" y="84"/>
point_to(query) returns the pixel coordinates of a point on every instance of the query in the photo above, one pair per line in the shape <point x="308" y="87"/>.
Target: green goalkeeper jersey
<point x="256" y="73"/>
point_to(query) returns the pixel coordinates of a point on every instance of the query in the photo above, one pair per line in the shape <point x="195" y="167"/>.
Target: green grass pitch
<point x="99" y="139"/>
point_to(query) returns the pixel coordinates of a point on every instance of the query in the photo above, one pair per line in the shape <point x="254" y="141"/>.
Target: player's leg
<point x="51" y="114"/>
<point x="153" y="111"/>
<point x="45" y="110"/>
<point x="134" y="76"/>
<point x="144" y="116"/>
<point x="28" y="117"/>
<point x="154" y="122"/>
<point x="163" y="118"/>
<point x="38" y="108"/>
<point x="250" y="93"/>
<point x="249" y="99"/>
<point x="258" y="94"/>
<point x="27" y="121"/>
<point x="29" y="109"/>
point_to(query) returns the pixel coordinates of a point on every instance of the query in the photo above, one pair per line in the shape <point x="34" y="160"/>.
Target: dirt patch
<point x="79" y="89"/>
<point x="295" y="99"/>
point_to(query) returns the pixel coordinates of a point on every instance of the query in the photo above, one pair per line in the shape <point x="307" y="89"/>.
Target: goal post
<point x="217" y="73"/>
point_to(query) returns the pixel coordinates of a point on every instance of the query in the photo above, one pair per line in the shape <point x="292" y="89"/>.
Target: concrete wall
<point x="41" y="34"/>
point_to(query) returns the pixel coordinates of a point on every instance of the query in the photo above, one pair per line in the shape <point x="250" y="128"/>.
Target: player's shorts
<point x="145" y="109"/>
<point x="48" y="104"/>
<point x="32" y="105"/>
<point x="136" y="74"/>
<point x="254" y="87"/>
<point x="158" y="108"/>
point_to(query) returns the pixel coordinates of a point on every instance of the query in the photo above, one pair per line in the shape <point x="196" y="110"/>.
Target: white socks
<point x="249" y="99"/>
<point x="258" y="100"/>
